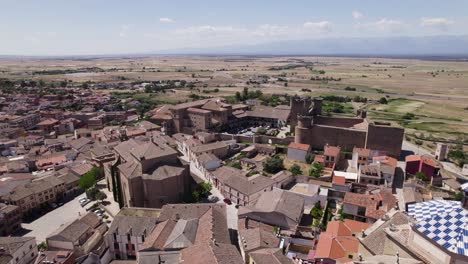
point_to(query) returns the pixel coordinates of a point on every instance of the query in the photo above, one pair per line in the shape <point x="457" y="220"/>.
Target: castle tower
<point x="299" y="106"/>
<point x="317" y="109"/>
<point x="302" y="129"/>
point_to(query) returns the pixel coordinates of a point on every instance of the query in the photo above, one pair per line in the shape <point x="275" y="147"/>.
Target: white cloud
<point x="207" y="29"/>
<point x="389" y="25"/>
<point x="124" y="30"/>
<point x="318" y="26"/>
<point x="268" y="30"/>
<point x="436" y="22"/>
<point x="357" y="14"/>
<point x="166" y="20"/>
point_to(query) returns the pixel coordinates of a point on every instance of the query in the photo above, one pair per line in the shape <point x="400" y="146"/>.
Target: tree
<point x="316" y="169"/>
<point x="205" y="189"/>
<point x="408" y="116"/>
<point x="237" y="165"/>
<point x="273" y="164"/>
<point x="101" y="196"/>
<point x="245" y="93"/>
<point x="316" y="211"/>
<point x="421" y="176"/>
<point x="295" y="169"/>
<point x="261" y="131"/>
<point x="88" y="179"/>
<point x="383" y="100"/>
<point x="238" y="96"/>
<point x="195" y="196"/>
<point x="310" y="158"/>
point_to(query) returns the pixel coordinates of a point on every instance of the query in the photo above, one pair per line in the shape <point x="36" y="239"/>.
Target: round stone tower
<point x="303" y="129"/>
<point x="299" y="106"/>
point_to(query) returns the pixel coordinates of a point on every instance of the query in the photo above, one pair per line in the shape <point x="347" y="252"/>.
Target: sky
<point x="92" y="27"/>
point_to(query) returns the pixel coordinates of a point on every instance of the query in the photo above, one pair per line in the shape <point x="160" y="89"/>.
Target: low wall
<point x="257" y="139"/>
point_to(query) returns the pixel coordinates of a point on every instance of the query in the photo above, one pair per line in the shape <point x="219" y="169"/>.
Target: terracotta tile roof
<point x="429" y="161"/>
<point x="319" y="158"/>
<point x="197" y="110"/>
<point x="356" y="226"/>
<point x="338" y="180"/>
<point x="294" y="145"/>
<point x="331" y="151"/>
<point x="386" y="160"/>
<point x="412" y="158"/>
<point x="362" y="152"/>
<point x="48" y="122"/>
<point x="335" y="247"/>
<point x="363" y="200"/>
<point x="338" y="228"/>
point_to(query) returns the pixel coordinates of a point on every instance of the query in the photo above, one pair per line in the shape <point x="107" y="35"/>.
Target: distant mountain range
<point x="443" y="46"/>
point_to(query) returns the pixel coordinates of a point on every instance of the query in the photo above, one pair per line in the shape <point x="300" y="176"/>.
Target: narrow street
<point x="231" y="210"/>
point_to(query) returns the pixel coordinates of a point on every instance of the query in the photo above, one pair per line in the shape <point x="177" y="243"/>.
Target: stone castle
<point x="311" y="127"/>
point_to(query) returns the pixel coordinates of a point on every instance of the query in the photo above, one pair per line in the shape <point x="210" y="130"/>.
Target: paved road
<point x="50" y="222"/>
<point x="231" y="209"/>
<point x="408" y="146"/>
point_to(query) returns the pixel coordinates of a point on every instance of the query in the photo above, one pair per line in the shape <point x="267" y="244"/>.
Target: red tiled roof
<point x="386" y="160"/>
<point x="339" y="180"/>
<point x="356" y="226"/>
<point x="48" y="122"/>
<point x="362" y="151"/>
<point x="412" y="158"/>
<point x="331" y="151"/>
<point x="300" y="146"/>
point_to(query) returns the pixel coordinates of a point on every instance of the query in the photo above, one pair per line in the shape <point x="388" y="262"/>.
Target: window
<point x="116" y="245"/>
<point x="143" y="238"/>
<point x="115" y="236"/>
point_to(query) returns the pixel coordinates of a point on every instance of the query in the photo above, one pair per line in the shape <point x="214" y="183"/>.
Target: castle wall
<point x="385" y="138"/>
<point x="319" y="135"/>
<point x="337" y="121"/>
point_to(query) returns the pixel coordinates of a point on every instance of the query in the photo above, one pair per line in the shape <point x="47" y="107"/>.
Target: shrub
<point x="383" y="100"/>
<point x="295" y="169"/>
<point x="316" y="169"/>
<point x="273" y="164"/>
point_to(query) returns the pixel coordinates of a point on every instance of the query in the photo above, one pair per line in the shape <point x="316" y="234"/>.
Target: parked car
<point x="85" y="202"/>
<point x="53" y="205"/>
<point x="227" y="201"/>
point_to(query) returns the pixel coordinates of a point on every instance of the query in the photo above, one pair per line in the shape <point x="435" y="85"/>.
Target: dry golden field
<point x="435" y="91"/>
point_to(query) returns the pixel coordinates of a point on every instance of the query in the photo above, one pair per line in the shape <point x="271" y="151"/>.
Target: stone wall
<point x="385" y="138"/>
<point x="318" y="136"/>
<point x="257" y="139"/>
<point x="337" y="121"/>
